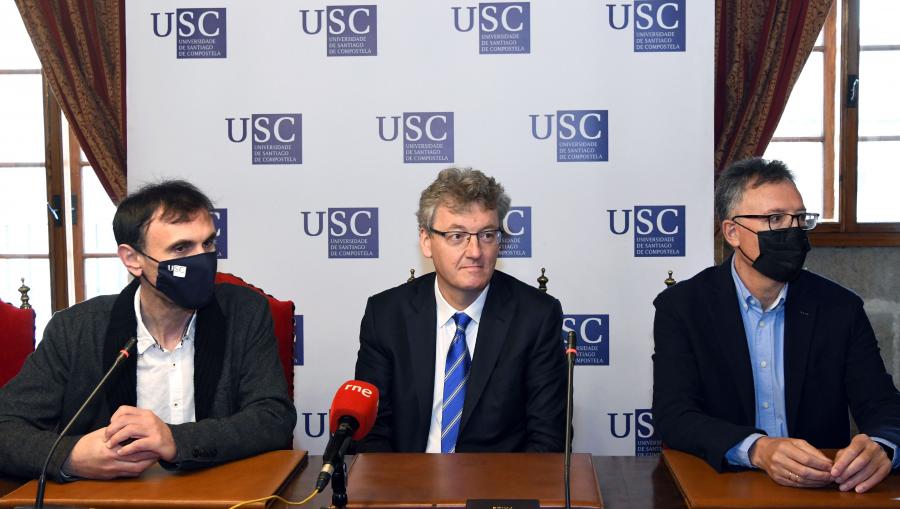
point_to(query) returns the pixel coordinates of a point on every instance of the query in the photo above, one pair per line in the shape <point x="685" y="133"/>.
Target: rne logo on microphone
<point x="581" y="135"/>
<point x="515" y="241"/>
<point x="352" y="30"/>
<point x="659" y="230"/>
<point x="199" y="32"/>
<point x="365" y="391"/>
<point x="659" y="25"/>
<point x="427" y="136"/>
<point x="503" y="27"/>
<point x="591" y="338"/>
<point x="277" y="138"/>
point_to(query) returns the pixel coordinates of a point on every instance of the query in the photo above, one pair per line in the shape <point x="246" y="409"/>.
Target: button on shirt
<point x="165" y="379"/>
<point x="446" y="328"/>
<point x="764" y="329"/>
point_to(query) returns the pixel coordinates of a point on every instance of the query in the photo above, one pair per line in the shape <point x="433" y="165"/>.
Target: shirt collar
<point x="445" y="311"/>
<point x="145" y="340"/>
<point x="747" y="299"/>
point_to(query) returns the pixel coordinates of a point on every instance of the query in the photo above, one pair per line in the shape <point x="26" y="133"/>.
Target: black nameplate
<point x="504" y="503"/>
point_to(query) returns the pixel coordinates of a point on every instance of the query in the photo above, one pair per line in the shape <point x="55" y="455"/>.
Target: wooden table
<point x="8" y="484"/>
<point x="625" y="483"/>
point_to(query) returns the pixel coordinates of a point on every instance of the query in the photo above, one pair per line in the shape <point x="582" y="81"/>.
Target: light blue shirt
<point x="764" y="329"/>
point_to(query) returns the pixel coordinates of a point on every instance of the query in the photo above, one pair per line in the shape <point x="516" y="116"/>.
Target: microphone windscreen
<point x="356" y="399"/>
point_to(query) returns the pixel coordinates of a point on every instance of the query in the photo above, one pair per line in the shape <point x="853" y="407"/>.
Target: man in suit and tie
<point x="466" y="358"/>
<point x="757" y="360"/>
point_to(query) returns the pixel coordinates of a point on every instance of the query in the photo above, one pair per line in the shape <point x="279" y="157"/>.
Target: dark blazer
<point x="240" y="394"/>
<point x="703" y="393"/>
<point x="515" y="397"/>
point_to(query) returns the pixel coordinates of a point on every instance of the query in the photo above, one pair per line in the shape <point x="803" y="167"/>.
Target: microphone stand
<point x="42" y="480"/>
<point x="570" y="360"/>
<point x="339" y="477"/>
<point x="339" y="484"/>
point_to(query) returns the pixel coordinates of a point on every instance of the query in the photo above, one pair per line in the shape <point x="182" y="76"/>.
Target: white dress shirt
<point x="165" y="379"/>
<point x="446" y="329"/>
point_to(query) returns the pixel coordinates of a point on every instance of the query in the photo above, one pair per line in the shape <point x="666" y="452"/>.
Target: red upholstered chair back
<point x="282" y="319"/>
<point x="16" y="339"/>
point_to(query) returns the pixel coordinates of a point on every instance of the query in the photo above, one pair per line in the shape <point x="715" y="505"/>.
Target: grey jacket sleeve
<point x="252" y="412"/>
<point x="32" y="406"/>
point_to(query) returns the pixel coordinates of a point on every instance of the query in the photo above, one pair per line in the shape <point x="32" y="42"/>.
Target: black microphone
<point x="336" y="449"/>
<point x="42" y="480"/>
<point x="353" y="412"/>
<point x="570" y="360"/>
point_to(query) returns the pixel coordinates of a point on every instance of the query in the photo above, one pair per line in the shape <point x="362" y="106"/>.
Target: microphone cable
<point x="275" y="497"/>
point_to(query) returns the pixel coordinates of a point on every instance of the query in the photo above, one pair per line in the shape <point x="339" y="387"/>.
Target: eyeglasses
<point x="805" y="220"/>
<point x="460" y="238"/>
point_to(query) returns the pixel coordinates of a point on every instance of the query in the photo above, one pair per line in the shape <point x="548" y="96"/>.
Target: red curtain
<point x="761" y="47"/>
<point x="81" y="45"/>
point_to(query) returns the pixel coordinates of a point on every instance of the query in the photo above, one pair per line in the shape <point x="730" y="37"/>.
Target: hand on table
<point x="91" y="458"/>
<point x="861" y="465"/>
<point x="147" y="432"/>
<point x="792" y="462"/>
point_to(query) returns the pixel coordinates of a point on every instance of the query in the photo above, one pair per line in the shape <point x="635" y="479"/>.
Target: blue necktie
<point x="456" y="374"/>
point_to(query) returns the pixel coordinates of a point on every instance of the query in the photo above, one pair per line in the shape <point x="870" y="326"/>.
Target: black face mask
<point x="781" y="253"/>
<point x="189" y="282"/>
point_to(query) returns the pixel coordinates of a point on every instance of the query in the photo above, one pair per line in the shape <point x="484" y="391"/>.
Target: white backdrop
<point x="511" y="88"/>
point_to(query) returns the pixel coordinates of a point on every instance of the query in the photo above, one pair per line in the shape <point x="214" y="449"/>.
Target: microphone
<point x="42" y="480"/>
<point x="351" y="416"/>
<point x="570" y="360"/>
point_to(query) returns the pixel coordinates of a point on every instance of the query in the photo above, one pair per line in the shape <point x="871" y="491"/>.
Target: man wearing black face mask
<point x="202" y="387"/>
<point x="757" y="360"/>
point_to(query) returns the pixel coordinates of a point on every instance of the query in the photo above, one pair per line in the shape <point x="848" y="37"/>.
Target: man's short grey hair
<point x="734" y="180"/>
<point x="458" y="189"/>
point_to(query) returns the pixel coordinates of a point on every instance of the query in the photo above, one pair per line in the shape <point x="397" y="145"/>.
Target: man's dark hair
<point x="179" y="200"/>
<point x="754" y="172"/>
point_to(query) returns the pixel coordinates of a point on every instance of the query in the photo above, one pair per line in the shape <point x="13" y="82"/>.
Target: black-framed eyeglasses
<point x="805" y="220"/>
<point x="461" y="238"/>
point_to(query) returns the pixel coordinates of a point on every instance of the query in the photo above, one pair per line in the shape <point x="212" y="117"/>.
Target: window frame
<point x="76" y="168"/>
<point x="58" y="244"/>
<point x="52" y="165"/>
<point x="63" y="172"/>
<point x="848" y="231"/>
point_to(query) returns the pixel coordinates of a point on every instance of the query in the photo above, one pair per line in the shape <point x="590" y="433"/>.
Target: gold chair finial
<point x="543" y="280"/>
<point x="669" y="280"/>
<point x="25" y="298"/>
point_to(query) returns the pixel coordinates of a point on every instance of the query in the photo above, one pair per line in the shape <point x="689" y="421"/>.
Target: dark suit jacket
<point x="703" y="393"/>
<point x="240" y="393"/>
<point x="515" y="397"/>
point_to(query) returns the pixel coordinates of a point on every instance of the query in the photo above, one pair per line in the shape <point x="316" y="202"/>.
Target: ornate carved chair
<point x="283" y="321"/>
<point x="16" y="337"/>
